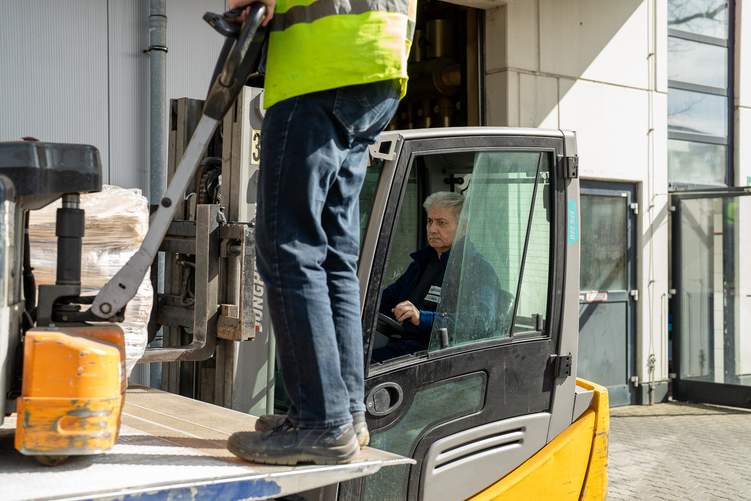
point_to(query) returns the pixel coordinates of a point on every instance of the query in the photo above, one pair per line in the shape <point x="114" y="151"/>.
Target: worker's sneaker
<point x="271" y="421"/>
<point x="289" y="445"/>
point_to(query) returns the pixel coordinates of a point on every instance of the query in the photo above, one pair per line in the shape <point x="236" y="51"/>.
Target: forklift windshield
<point x="493" y="283"/>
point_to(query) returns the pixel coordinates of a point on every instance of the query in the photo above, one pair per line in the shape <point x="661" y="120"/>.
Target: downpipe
<point x="157" y="52"/>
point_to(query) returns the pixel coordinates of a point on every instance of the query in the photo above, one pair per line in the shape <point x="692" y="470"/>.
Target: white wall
<point x="599" y="68"/>
<point x="75" y="71"/>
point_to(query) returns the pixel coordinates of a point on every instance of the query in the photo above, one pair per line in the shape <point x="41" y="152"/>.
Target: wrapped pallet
<point x="117" y="220"/>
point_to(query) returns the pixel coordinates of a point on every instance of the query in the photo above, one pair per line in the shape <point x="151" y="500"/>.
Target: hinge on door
<point x="570" y="167"/>
<point x="561" y="365"/>
<point x="634" y="294"/>
<point x="635" y="381"/>
<point x="634" y="207"/>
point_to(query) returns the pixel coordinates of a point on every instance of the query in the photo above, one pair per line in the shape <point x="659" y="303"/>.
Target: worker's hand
<point x="406" y="311"/>
<point x="270" y="5"/>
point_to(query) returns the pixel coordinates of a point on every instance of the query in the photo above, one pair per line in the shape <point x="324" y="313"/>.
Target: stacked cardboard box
<point x="117" y="220"/>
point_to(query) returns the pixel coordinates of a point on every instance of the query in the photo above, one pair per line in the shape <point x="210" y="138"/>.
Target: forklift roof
<point x="439" y="132"/>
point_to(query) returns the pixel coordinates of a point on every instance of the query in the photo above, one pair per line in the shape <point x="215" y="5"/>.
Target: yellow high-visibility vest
<point x="317" y="45"/>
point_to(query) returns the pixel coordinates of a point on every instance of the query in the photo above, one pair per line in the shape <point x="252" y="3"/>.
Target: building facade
<point x="658" y="91"/>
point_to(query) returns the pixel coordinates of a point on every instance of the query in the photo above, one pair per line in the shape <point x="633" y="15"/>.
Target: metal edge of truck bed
<point x="171" y="446"/>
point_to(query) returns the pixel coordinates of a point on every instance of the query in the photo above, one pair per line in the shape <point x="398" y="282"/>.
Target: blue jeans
<point x="313" y="160"/>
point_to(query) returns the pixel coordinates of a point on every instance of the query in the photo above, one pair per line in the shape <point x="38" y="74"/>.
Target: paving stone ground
<point x="676" y="451"/>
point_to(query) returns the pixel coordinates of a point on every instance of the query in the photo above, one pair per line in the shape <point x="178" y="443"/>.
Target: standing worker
<point x="335" y="72"/>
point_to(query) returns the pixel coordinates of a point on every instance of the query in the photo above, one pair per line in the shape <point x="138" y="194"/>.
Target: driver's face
<point x="441" y="227"/>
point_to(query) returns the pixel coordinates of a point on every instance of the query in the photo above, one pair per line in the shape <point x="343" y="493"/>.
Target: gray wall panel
<point x="74" y="71"/>
<point x="193" y="47"/>
<point x="53" y="73"/>
<point x="129" y="87"/>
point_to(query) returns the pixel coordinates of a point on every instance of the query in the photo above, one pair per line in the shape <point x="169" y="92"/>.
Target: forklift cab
<point x="495" y="382"/>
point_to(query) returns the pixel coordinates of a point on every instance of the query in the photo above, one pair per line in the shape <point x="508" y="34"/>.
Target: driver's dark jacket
<point x="405" y="285"/>
<point x="483" y="307"/>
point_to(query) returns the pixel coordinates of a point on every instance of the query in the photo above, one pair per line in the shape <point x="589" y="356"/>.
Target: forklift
<point x="484" y="410"/>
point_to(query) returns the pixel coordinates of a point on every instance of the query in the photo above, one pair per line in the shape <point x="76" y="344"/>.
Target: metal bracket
<point x="570" y="166"/>
<point x="561" y="365"/>
<point x="634" y="293"/>
<point x="237" y="319"/>
<point x="384" y="149"/>
<point x="205" y="307"/>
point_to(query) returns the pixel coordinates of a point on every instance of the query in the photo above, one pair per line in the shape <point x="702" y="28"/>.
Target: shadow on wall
<point x="537" y="49"/>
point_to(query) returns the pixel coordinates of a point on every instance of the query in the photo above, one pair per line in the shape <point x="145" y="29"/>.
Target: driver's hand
<point x="406" y="311"/>
<point x="270" y="5"/>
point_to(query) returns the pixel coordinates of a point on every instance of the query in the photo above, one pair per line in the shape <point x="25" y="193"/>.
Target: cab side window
<point x="404" y="239"/>
<point x="496" y="280"/>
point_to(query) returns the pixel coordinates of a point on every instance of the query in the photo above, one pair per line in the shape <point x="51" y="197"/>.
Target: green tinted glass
<point x="506" y="196"/>
<point x="432" y="405"/>
<point x="604" y="243"/>
<point x="404" y="238"/>
<point x="367" y="194"/>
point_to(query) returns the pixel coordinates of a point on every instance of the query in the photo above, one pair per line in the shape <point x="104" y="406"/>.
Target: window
<point x="699" y="97"/>
<point x="404" y="239"/>
<point x="368" y="192"/>
<point x="492" y="280"/>
<point x="505" y="240"/>
<point x="604" y="247"/>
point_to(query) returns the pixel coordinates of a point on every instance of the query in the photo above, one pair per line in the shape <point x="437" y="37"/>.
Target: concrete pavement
<point x="677" y="451"/>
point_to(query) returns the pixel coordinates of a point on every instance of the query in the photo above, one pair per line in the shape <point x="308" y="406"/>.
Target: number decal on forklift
<point x="573" y="223"/>
<point x="255" y="147"/>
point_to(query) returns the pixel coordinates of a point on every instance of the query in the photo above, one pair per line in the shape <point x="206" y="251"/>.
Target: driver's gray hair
<point x="445" y="200"/>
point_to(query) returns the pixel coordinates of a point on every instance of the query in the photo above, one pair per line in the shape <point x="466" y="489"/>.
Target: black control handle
<point x="239" y="59"/>
<point x="224" y="24"/>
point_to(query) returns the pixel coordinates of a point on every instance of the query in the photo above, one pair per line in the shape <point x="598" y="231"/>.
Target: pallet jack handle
<point x="239" y="62"/>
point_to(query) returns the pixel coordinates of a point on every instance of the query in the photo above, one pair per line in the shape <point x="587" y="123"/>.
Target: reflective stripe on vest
<point x="324" y="8"/>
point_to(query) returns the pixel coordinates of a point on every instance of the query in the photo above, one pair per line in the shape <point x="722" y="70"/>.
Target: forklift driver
<point x="409" y="305"/>
<point x="414" y="297"/>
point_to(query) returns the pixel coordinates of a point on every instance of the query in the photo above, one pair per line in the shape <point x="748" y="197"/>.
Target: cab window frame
<point x="553" y="147"/>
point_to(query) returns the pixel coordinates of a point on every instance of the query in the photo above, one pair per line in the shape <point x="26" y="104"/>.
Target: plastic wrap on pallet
<point x="117" y="220"/>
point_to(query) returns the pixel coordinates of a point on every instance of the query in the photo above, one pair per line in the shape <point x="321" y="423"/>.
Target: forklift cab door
<point x="486" y="378"/>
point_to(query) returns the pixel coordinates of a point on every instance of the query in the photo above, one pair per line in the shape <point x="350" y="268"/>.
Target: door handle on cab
<point x="384" y="399"/>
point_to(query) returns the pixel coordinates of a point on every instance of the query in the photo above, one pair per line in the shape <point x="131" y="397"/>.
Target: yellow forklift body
<point x="73" y="390"/>
<point x="572" y="466"/>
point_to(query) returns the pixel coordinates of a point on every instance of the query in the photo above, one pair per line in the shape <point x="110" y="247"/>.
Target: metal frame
<point x="418" y="140"/>
<point x="608" y="189"/>
<point x="205" y="307"/>
<point x="9" y="302"/>
<point x="696" y="37"/>
<point x="698" y="390"/>
<point x="728" y="92"/>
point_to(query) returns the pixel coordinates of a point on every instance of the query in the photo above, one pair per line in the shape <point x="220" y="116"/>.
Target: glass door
<point x="607" y="312"/>
<point x="711" y="306"/>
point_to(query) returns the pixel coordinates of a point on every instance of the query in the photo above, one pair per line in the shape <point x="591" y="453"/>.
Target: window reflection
<point x="697" y="63"/>
<point x="604" y="244"/>
<point x="697" y="113"/>
<point x="698" y="103"/>
<point x="702" y="17"/>
<point x="695" y="164"/>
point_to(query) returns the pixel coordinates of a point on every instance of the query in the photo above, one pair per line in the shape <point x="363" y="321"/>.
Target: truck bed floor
<point x="170" y="446"/>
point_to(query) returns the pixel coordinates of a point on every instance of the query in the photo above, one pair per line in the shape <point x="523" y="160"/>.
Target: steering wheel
<point x="389" y="327"/>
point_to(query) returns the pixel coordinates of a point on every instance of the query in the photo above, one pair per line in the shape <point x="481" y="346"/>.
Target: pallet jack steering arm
<point x="240" y="62"/>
